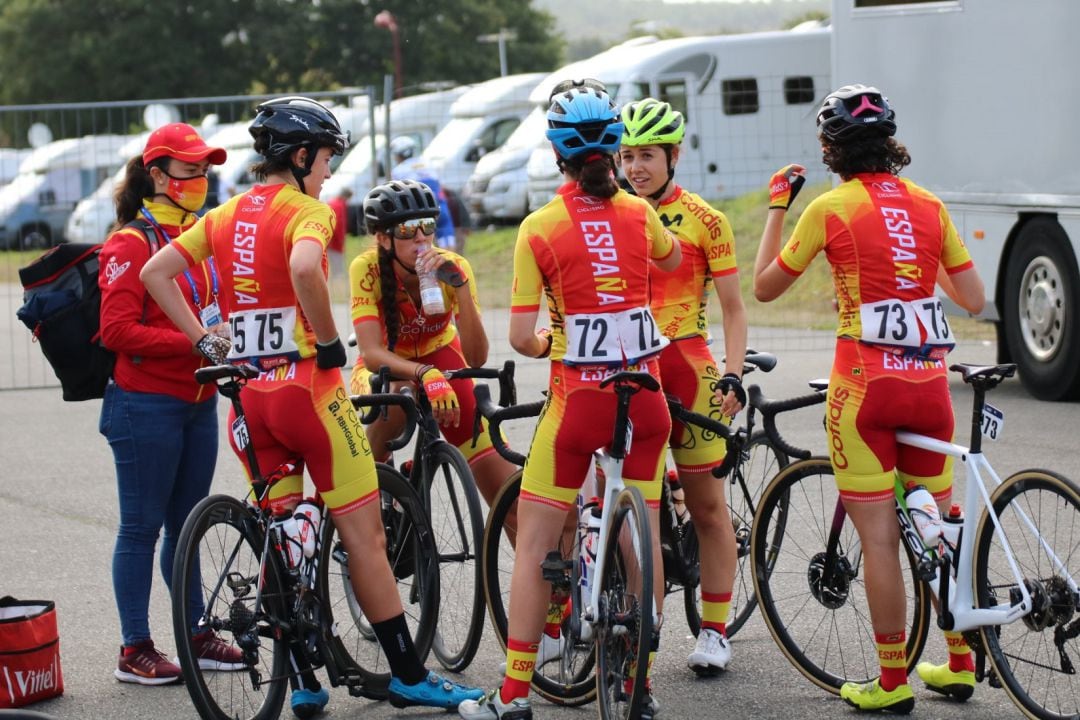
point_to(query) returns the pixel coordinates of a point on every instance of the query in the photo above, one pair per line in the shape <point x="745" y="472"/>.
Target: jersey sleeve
<point x="661" y="242"/>
<point x="719" y="246"/>
<point x="194" y="243"/>
<point x="528" y="283"/>
<point x="314" y="222"/>
<point x="124" y="300"/>
<point x="806" y="241"/>
<point x="365" y="287"/>
<point x="954" y="254"/>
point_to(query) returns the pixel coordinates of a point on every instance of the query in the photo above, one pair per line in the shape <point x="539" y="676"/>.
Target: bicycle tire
<point x="745" y="484"/>
<point x="457" y="524"/>
<point x="823" y="629"/>
<point x="569" y="682"/>
<point x="410" y="549"/>
<point x="219" y="560"/>
<point x="624" y="620"/>
<point x="1024" y="654"/>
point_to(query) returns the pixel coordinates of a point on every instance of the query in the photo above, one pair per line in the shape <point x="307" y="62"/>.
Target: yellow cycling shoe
<point x="941" y="679"/>
<point x="869" y="696"/>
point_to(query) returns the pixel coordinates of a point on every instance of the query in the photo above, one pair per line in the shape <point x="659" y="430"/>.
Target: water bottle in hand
<point x="431" y="295"/>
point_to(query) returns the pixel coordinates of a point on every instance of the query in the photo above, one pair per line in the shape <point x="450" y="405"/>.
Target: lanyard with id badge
<point x="210" y="315"/>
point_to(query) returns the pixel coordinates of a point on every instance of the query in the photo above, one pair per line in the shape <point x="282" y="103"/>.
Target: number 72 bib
<point x="612" y="338"/>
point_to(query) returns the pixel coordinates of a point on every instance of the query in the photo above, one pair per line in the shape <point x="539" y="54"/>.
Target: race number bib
<point x="901" y="323"/>
<point x="612" y="338"/>
<point x="263" y="332"/>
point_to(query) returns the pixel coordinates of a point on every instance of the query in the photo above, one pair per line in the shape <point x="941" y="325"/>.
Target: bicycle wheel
<point x="624" y="622"/>
<point x="1034" y="657"/>
<point x="220" y="583"/>
<point x="567" y="681"/>
<point x="410" y="549"/>
<point x="759" y="464"/>
<point x="457" y="523"/>
<point x="815" y="607"/>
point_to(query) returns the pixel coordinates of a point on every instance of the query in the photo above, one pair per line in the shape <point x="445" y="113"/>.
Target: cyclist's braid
<point x="388" y="282"/>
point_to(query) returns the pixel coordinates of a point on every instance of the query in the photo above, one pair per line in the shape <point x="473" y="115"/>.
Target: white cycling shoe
<point x="712" y="653"/>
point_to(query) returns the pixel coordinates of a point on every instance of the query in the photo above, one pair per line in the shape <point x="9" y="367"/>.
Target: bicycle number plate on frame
<point x="240" y="433"/>
<point x="993" y="421"/>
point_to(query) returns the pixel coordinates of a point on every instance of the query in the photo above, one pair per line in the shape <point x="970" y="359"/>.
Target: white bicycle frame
<point x="614" y="484"/>
<point x="961" y="600"/>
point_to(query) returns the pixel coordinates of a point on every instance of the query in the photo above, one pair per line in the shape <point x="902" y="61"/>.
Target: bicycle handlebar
<point x="496" y="415"/>
<point x="769" y="409"/>
<point x="380" y="402"/>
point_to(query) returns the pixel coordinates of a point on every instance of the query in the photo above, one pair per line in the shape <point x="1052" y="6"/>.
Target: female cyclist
<point x="162" y="426"/>
<point x="649" y="153"/>
<point x="589" y="251"/>
<point x="392" y="329"/>
<point x="270" y="244"/>
<point x="888" y="240"/>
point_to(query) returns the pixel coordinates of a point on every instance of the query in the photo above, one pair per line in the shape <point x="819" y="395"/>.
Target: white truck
<point x="749" y="101"/>
<point x="986" y="102"/>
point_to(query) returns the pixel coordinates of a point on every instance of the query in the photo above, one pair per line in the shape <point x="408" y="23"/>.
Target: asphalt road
<point x="58" y="502"/>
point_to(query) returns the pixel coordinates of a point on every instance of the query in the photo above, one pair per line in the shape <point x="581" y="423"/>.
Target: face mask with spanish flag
<point x="188" y="193"/>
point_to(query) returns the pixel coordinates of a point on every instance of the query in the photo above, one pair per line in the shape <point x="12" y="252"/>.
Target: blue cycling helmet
<point x="583" y="120"/>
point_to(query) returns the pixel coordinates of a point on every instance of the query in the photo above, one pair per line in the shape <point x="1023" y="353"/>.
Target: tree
<point x="73" y="50"/>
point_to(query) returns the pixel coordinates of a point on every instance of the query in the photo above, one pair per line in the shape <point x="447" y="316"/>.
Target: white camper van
<point x="749" y="101"/>
<point x="96" y="213"/>
<point x="497" y="189"/>
<point x="481" y="121"/>
<point x="988" y="113"/>
<point x="35" y="206"/>
<point x="418" y="116"/>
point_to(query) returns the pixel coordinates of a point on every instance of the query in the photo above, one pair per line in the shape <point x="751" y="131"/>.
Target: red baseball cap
<point x="180" y="141"/>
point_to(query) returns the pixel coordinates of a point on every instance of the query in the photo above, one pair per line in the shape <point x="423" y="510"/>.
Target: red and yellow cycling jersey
<point x="418" y="334"/>
<point x="885" y="238"/>
<point x="680" y="297"/>
<point x="591" y="257"/>
<point x="251" y="238"/>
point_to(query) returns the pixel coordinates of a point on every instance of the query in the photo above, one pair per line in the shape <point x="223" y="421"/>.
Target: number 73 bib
<point x="897" y="323"/>
<point x="620" y="338"/>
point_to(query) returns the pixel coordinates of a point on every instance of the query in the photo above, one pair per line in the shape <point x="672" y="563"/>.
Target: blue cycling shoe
<point x="308" y="703"/>
<point x="432" y="691"/>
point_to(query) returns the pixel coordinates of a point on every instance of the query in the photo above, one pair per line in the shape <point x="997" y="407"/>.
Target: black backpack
<point x="62" y="307"/>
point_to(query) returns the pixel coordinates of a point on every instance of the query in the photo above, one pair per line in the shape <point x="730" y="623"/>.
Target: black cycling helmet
<point x="286" y="124"/>
<point x="397" y="201"/>
<point x="856" y="111"/>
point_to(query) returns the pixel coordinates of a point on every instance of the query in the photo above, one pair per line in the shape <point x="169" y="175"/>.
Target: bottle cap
<point x="955" y="510"/>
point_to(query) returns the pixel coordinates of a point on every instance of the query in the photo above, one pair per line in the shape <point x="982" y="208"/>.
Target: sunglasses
<point x="407" y="230"/>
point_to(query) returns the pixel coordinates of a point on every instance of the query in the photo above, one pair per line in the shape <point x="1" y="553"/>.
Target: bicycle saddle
<point x="992" y="373"/>
<point x="643" y="381"/>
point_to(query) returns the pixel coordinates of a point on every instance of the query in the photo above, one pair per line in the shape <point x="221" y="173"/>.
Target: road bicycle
<point x="1003" y="580"/>
<point x="752" y="459"/>
<point x="442" y="477"/>
<point x="231" y="561"/>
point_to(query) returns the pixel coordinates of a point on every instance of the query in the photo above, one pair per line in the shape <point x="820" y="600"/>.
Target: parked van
<point x="497" y="189"/>
<point x="35" y="206"/>
<point x="10" y="159"/>
<point x="481" y="121"/>
<point x="95" y="214"/>
<point x="420" y="117"/>
<point x="749" y="101"/>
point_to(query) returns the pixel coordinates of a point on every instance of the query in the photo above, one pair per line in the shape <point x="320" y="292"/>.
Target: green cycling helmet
<point x="651" y="122"/>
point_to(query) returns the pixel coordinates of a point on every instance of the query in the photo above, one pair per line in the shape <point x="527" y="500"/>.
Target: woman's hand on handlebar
<point x="443" y="399"/>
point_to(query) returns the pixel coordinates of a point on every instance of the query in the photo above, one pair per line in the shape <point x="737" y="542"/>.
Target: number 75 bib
<point x="612" y="338"/>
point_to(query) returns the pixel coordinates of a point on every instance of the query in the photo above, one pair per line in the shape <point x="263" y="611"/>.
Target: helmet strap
<point x="670" y="176"/>
<point x="302" y="172"/>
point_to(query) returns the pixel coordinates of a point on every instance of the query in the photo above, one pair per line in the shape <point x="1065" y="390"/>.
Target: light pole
<point x="386" y="19"/>
<point x="500" y="37"/>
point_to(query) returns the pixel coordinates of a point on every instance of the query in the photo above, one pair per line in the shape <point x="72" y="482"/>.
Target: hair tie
<point x="594" y="156"/>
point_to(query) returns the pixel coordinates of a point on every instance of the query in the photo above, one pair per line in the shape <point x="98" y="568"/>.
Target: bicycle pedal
<point x="377" y="688"/>
<point x="555" y="569"/>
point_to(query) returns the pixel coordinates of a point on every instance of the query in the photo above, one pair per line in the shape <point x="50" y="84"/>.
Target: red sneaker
<point x="142" y="663"/>
<point x="216" y="654"/>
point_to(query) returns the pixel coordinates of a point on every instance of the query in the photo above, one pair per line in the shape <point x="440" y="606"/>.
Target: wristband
<point x="419" y="375"/>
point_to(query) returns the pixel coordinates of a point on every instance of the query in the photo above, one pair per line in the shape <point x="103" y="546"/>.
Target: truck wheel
<point x="34" y="237"/>
<point x="1042" y="311"/>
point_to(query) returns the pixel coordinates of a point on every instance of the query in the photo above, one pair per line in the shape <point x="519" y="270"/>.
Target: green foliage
<point x="73" y="50"/>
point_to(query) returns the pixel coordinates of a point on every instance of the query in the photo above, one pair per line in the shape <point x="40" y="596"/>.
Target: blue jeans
<point x="165" y="450"/>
